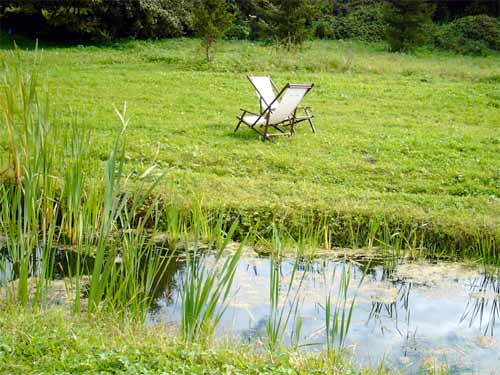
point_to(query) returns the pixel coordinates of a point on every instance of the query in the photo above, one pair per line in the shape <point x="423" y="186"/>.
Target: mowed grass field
<point x="414" y="137"/>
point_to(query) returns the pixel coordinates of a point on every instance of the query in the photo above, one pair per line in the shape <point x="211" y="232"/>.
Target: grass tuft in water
<point x="284" y="309"/>
<point x="206" y="289"/>
<point x="338" y="312"/>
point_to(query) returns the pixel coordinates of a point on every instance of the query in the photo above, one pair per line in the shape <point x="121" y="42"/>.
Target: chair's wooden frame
<point x="307" y="110"/>
<point x="291" y="121"/>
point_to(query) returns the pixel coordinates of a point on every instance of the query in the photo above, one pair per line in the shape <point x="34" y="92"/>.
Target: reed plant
<point x="29" y="205"/>
<point x="338" y="312"/>
<point x="127" y="262"/>
<point x="206" y="289"/>
<point x="284" y="309"/>
<point x="176" y="225"/>
<point x="46" y="204"/>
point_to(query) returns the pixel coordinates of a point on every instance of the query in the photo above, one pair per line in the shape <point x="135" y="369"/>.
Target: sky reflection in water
<point x="420" y="315"/>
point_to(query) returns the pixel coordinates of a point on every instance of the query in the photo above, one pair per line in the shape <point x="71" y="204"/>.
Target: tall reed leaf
<point x="206" y="290"/>
<point x="283" y="308"/>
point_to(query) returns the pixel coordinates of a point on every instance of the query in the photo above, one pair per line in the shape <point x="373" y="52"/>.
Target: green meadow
<point x="410" y="138"/>
<point x="406" y="160"/>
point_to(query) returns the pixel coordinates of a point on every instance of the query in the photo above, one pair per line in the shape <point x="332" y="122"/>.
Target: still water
<point x="413" y="315"/>
<point x="420" y="315"/>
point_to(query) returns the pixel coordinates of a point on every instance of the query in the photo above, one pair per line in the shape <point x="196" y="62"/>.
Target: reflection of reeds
<point x="484" y="299"/>
<point x="390" y="310"/>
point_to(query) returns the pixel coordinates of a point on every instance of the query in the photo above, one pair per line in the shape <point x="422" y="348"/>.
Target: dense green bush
<point x="470" y="35"/>
<point x="81" y="20"/>
<point x="407" y="24"/>
<point x="144" y="18"/>
<point x="287" y="21"/>
<point x="238" y="31"/>
<point x="211" y="21"/>
<point x="363" y="23"/>
<point x="323" y="29"/>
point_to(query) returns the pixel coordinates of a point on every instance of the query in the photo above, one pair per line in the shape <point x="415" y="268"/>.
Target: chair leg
<point x="292" y="122"/>
<point x="238" y="126"/>
<point x="258" y="132"/>
<point x="309" y="118"/>
<point x="266" y="134"/>
<point x="312" y="126"/>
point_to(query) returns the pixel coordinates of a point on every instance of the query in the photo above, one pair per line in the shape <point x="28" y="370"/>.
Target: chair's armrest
<point x="247" y="111"/>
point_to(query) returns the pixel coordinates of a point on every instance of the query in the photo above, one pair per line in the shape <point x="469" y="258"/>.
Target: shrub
<point x="212" y="20"/>
<point x="363" y="23"/>
<point x="144" y="18"/>
<point x="323" y="29"/>
<point x="407" y="23"/>
<point x="238" y="31"/>
<point x="288" y="21"/>
<point x="474" y="35"/>
<point x="77" y="20"/>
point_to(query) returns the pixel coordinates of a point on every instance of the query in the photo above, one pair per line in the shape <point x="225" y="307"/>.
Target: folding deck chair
<point x="266" y="92"/>
<point x="282" y="111"/>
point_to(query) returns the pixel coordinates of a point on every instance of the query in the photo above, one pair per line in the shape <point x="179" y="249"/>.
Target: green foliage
<point x="449" y="10"/>
<point x="287" y="21"/>
<point x="144" y="18"/>
<point x="238" y="31"/>
<point x="212" y="19"/>
<point x="406" y="22"/>
<point x="85" y="20"/>
<point x="205" y="290"/>
<point x="475" y="35"/>
<point x="363" y="23"/>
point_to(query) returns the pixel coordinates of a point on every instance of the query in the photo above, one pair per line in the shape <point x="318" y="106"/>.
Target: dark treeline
<point x="461" y="25"/>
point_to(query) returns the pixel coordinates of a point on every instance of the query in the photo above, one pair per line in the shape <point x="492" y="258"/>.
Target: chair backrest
<point x="264" y="89"/>
<point x="290" y="97"/>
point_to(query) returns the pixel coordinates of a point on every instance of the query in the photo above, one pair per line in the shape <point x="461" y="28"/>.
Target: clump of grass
<point x="283" y="309"/>
<point x="29" y="206"/>
<point x="206" y="289"/>
<point x="338" y="312"/>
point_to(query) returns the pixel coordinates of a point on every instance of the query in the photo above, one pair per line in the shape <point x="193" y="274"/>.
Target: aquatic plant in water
<point x="338" y="312"/>
<point x="284" y="308"/>
<point x="206" y="289"/>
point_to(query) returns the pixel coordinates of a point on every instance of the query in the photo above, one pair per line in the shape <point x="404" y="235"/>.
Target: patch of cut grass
<point x="411" y="137"/>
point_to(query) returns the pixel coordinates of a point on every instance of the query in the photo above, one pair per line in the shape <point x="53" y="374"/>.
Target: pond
<point x="409" y="314"/>
<point x="422" y="314"/>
